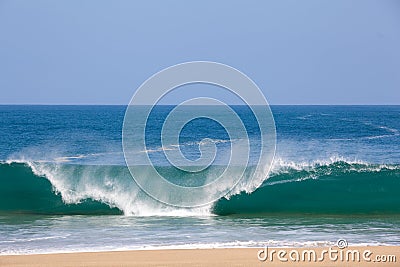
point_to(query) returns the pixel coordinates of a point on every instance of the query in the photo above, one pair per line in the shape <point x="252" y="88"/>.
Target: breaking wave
<point x="333" y="186"/>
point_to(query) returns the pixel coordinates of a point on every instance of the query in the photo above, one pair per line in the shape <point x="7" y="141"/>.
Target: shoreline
<point x="216" y="257"/>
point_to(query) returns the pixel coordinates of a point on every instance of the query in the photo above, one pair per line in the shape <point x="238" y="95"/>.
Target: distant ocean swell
<point x="335" y="186"/>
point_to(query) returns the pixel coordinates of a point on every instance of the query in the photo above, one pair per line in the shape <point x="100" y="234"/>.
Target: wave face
<point x="22" y="191"/>
<point x="336" y="186"/>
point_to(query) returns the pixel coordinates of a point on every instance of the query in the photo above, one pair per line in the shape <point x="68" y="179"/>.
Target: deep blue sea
<point x="65" y="186"/>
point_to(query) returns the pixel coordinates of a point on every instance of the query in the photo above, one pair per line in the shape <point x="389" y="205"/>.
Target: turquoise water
<point x="65" y="185"/>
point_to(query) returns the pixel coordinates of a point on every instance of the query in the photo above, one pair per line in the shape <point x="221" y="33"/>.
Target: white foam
<point x="281" y="165"/>
<point x="211" y="245"/>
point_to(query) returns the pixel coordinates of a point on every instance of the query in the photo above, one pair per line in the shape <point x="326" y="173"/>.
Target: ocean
<point x="66" y="187"/>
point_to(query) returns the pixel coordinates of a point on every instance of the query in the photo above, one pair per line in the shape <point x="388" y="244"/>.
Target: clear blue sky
<point x="298" y="52"/>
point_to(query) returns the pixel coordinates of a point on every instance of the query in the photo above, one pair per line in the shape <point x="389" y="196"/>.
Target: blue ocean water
<point x="65" y="185"/>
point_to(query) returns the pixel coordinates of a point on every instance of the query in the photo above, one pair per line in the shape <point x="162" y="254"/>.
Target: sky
<point x="297" y="52"/>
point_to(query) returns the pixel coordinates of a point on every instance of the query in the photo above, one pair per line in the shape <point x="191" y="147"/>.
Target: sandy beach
<point x="215" y="257"/>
